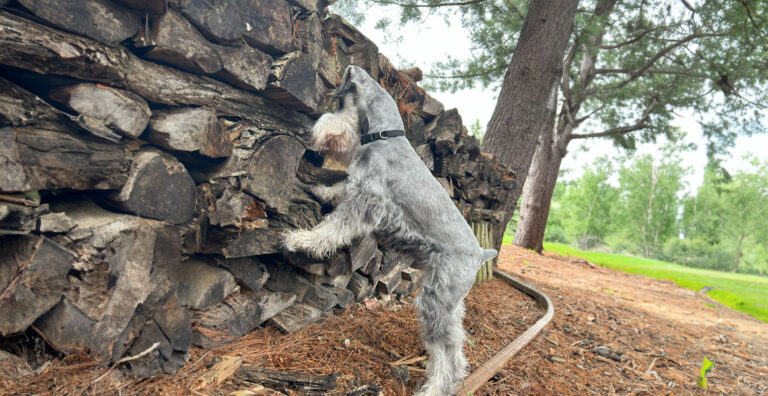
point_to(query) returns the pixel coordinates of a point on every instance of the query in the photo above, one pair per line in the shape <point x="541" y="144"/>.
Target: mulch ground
<point x="613" y="333"/>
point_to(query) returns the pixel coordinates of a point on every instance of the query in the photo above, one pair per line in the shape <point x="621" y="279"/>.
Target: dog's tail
<point x="489" y="254"/>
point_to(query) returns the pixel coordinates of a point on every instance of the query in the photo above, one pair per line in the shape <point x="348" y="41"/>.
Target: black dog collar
<point x="383" y="135"/>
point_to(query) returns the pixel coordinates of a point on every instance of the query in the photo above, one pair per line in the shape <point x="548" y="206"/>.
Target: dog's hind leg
<point x="441" y="311"/>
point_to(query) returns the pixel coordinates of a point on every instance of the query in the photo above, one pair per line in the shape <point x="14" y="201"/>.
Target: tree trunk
<point x="537" y="194"/>
<point x="538" y="189"/>
<point x="521" y="113"/>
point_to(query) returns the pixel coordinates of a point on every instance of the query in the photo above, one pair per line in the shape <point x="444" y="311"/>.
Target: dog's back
<point x="412" y="192"/>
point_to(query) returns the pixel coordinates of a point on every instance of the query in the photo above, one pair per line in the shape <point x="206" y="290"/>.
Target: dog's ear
<point x="346" y="86"/>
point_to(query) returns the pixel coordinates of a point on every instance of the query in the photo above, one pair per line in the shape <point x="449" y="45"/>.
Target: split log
<point x="366" y="56"/>
<point x="248" y="271"/>
<point x="303" y="383"/>
<point x="444" y="131"/>
<point x="263" y="25"/>
<point x="152" y="7"/>
<point x="297" y="317"/>
<point x="201" y="283"/>
<point x="338" y="264"/>
<point x="323" y="297"/>
<point x="310" y="34"/>
<point x="414" y="73"/>
<point x="235" y="208"/>
<point x="340" y="281"/>
<point x="430" y="108"/>
<point x="175" y="41"/>
<point x="244" y="67"/>
<point x="446" y="185"/>
<point x="309" y="264"/>
<point x="359" y="286"/>
<point x="166" y="324"/>
<point x="254" y="242"/>
<point x="311" y="174"/>
<point x="190" y="129"/>
<point x="330" y="69"/>
<point x="67" y="327"/>
<point x="363" y="253"/>
<point x="19" y="107"/>
<point x="294" y="83"/>
<point x="28" y="45"/>
<point x="285" y="278"/>
<point x="33" y="277"/>
<point x="327" y="297"/>
<point x="389" y="282"/>
<point x="412" y="275"/>
<point x="61" y="160"/>
<point x="122" y="111"/>
<point x="309" y="6"/>
<point x="339" y="27"/>
<point x="100" y="20"/>
<point x="113" y="288"/>
<point x="373" y="268"/>
<point x="271" y="173"/>
<point x="55" y="223"/>
<point x="19" y="218"/>
<point x="415" y="129"/>
<point x="158" y="187"/>
<point x="235" y="316"/>
<point x="425" y="153"/>
<point x="12" y="178"/>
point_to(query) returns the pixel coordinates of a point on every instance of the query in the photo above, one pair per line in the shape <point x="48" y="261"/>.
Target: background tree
<point x="587" y="204"/>
<point x="648" y="205"/>
<point x="745" y="214"/>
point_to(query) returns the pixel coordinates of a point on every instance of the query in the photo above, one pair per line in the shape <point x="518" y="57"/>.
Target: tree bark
<point x="540" y="186"/>
<point x="521" y="112"/>
<point x="537" y="192"/>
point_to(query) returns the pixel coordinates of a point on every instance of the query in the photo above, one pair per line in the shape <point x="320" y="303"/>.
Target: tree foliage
<point x="587" y="204"/>
<point x="721" y="226"/>
<point x="631" y="65"/>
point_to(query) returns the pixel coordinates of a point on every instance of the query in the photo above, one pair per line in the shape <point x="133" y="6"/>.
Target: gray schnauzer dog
<point x="391" y="195"/>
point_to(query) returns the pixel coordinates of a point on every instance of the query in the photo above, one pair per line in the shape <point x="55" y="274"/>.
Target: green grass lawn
<point x="745" y="293"/>
<point x="742" y="292"/>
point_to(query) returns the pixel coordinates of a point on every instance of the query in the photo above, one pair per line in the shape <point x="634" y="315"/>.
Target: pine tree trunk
<point x="521" y="113"/>
<point x="537" y="195"/>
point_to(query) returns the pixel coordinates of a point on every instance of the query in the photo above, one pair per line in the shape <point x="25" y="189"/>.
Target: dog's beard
<point x="335" y="134"/>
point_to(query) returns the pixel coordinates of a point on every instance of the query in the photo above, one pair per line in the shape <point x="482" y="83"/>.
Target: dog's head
<point x="359" y="97"/>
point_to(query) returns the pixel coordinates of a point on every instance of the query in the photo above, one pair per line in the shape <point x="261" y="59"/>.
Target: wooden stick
<point x="479" y="377"/>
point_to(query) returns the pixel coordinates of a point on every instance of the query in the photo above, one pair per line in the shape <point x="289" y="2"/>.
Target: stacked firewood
<point x="152" y="153"/>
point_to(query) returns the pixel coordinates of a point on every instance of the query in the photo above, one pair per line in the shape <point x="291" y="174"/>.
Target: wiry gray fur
<point x="392" y="195"/>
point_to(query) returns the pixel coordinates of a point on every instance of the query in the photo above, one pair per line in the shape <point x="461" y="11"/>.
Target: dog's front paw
<point x="295" y="240"/>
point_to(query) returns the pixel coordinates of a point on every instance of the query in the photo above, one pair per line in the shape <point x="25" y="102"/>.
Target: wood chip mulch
<point x="613" y="333"/>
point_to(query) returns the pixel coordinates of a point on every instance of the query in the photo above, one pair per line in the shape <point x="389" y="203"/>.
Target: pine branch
<point x="482" y="73"/>
<point x="640" y="124"/>
<point x="668" y="72"/>
<point x="416" y="5"/>
<point x="637" y="73"/>
<point x="634" y="39"/>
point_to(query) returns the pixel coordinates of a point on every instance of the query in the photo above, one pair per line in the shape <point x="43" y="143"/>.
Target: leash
<point x="383" y="135"/>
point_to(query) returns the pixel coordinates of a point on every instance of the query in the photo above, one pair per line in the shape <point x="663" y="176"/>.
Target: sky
<point x="430" y="41"/>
